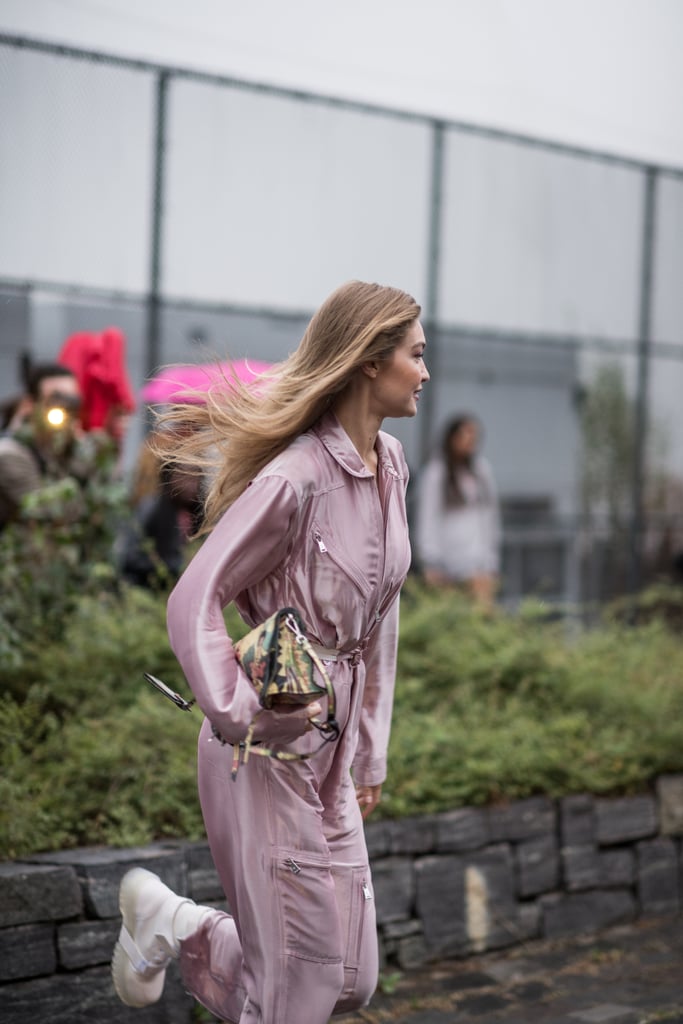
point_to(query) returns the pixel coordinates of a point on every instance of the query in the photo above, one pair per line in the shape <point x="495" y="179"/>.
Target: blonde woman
<point x="306" y="509"/>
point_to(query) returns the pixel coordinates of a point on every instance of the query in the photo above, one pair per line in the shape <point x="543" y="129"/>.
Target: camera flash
<point x="56" y="417"/>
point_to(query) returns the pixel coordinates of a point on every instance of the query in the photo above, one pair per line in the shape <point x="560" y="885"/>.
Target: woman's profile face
<point x="464" y="440"/>
<point x="399" y="381"/>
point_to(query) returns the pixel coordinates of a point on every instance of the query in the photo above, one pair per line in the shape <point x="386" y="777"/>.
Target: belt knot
<point x="357" y="653"/>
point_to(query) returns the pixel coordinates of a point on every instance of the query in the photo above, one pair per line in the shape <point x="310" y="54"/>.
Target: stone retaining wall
<point x="445" y="885"/>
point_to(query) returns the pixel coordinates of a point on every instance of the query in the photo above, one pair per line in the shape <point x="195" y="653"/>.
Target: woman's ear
<point x="371" y="369"/>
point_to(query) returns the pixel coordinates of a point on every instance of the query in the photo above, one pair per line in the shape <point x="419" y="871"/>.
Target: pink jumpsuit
<point x="317" y="531"/>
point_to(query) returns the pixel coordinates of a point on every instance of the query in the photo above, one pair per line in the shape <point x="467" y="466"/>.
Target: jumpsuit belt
<point x="330" y="654"/>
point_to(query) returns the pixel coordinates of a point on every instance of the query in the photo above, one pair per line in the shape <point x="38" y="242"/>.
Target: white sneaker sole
<point x="134" y="987"/>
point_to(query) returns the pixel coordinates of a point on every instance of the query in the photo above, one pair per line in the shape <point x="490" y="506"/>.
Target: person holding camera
<point x="38" y="444"/>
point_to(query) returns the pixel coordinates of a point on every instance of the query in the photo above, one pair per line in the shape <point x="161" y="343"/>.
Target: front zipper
<point x="379" y="613"/>
<point x="317" y="537"/>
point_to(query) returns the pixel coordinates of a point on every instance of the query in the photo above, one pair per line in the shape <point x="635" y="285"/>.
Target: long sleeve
<point x="429" y="517"/>
<point x="370" y="761"/>
<point x="491" y="511"/>
<point x="247" y="544"/>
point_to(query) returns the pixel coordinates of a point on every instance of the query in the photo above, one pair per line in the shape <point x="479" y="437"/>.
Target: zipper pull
<point x="365" y="889"/>
<point x="320" y="542"/>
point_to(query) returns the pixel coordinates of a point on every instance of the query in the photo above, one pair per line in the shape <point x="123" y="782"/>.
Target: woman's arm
<point x="491" y="512"/>
<point x="247" y="544"/>
<point x="370" y="761"/>
<point x="429" y="517"/>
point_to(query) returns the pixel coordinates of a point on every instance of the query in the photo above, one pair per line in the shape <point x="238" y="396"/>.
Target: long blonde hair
<point x="240" y="428"/>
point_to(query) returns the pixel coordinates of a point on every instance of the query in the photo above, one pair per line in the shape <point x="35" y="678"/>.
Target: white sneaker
<point x="146" y="941"/>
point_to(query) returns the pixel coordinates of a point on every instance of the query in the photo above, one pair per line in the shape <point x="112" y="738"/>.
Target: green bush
<point x="487" y="708"/>
<point x="60" y="548"/>
<point x="503" y="707"/>
<point x="89" y="752"/>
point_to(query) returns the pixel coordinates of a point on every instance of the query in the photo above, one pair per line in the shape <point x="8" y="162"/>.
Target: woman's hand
<point x="287" y="724"/>
<point x="368" y="798"/>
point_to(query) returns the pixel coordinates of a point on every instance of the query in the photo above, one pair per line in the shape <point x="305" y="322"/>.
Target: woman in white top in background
<point x="458" y="516"/>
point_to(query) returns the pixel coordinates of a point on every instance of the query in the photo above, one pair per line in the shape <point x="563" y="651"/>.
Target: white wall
<point x="539" y="241"/>
<point x="273" y="201"/>
<point x="606" y="74"/>
<point x="75" y="171"/>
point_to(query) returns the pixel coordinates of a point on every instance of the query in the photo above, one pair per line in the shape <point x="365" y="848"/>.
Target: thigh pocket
<point x="307" y="905"/>
<point x="357" y="913"/>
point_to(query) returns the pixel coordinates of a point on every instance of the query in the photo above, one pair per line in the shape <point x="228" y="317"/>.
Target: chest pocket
<point x="331" y="567"/>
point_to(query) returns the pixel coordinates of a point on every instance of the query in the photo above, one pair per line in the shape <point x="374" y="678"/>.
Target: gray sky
<point x="606" y="74"/>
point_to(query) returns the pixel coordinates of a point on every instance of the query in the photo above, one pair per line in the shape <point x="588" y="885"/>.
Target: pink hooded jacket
<point x="99" y="362"/>
<point x="316" y="531"/>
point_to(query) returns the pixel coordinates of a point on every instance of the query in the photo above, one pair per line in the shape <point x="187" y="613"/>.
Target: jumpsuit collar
<point x="340" y="446"/>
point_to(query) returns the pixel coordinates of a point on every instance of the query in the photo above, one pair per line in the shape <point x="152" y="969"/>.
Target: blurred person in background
<point x="40" y="437"/>
<point x="98" y="360"/>
<point x="458" y="515"/>
<point x="166" y="510"/>
<point x="166" y="498"/>
<point x="8" y="410"/>
<point x="61" y="496"/>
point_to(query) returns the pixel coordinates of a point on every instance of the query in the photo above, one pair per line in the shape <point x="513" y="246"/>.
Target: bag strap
<point x="330" y="725"/>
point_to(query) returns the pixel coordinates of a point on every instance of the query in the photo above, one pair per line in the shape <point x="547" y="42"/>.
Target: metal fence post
<point x="154" y="294"/>
<point x="640" y="424"/>
<point x="431" y="305"/>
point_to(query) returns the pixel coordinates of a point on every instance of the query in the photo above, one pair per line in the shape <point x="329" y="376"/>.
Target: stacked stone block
<point x="59" y="920"/>
<point x="450" y="884"/>
<point x="536" y="868"/>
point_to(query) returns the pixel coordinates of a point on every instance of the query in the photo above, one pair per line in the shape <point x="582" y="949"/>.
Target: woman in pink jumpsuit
<point x="314" y="519"/>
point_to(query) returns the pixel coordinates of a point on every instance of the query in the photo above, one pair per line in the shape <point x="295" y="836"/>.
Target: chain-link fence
<point x="204" y="215"/>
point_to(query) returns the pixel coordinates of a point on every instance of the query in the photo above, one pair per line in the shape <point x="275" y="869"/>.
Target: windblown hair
<point x="453" y="495"/>
<point x="240" y="428"/>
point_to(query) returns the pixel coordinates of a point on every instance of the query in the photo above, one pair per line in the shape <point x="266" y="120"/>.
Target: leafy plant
<point x="388" y="982"/>
<point x="487" y="708"/>
<point x="61" y="548"/>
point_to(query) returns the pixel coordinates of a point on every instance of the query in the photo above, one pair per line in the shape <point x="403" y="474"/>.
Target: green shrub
<point x="488" y="708"/>
<point x="89" y="752"/>
<point x="60" y="548"/>
<point x="503" y="707"/>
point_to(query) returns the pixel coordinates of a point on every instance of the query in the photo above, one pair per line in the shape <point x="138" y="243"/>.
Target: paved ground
<point x="627" y="975"/>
